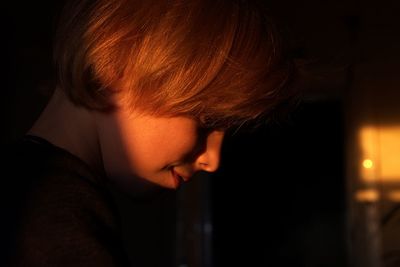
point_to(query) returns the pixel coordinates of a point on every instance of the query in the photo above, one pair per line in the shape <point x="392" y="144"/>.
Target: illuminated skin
<point x="126" y="145"/>
<point x="152" y="147"/>
<point x="158" y="149"/>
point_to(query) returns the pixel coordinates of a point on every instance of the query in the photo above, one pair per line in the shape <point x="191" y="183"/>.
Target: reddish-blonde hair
<point x="218" y="60"/>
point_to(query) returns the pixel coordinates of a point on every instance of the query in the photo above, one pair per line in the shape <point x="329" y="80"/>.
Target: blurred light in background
<point x="368" y="164"/>
<point x="380" y="154"/>
<point x="367" y="195"/>
<point x="379" y="168"/>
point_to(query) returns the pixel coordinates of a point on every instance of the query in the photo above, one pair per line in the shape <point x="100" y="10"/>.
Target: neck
<point x="70" y="127"/>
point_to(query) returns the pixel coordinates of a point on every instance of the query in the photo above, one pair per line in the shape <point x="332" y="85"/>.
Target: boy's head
<point x="218" y="61"/>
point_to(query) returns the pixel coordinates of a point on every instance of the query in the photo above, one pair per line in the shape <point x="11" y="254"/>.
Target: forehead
<point x="151" y="121"/>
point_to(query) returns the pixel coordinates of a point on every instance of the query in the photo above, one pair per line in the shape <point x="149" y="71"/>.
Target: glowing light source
<point x="368" y="164"/>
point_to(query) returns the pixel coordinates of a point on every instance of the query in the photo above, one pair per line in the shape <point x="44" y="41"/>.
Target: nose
<point x="209" y="159"/>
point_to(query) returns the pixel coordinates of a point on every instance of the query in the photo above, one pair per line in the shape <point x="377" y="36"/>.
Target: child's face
<point x="157" y="149"/>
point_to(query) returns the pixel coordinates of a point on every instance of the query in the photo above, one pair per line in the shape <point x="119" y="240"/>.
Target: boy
<point x="145" y="93"/>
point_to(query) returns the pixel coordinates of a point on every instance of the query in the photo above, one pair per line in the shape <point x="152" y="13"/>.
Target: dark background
<point x="279" y="198"/>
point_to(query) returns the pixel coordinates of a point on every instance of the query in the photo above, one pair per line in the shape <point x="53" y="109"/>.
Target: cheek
<point x="158" y="150"/>
<point x="156" y="144"/>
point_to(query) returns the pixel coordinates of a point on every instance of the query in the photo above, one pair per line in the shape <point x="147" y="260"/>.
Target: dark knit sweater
<point x="56" y="211"/>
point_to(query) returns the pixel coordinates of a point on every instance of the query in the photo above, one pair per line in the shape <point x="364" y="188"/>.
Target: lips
<point x="179" y="176"/>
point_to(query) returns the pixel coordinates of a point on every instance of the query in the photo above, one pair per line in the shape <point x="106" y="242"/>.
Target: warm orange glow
<point x="390" y="153"/>
<point x="367" y="195"/>
<point x="380" y="149"/>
